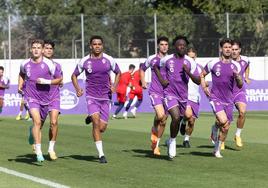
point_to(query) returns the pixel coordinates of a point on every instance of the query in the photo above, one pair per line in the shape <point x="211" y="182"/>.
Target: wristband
<point x="44" y="81"/>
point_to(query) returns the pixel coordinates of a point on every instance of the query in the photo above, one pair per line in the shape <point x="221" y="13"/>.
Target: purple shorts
<point x="43" y="109"/>
<point x="98" y="106"/>
<point x="240" y="97"/>
<point x="218" y="106"/>
<point x="54" y="105"/>
<point x="171" y="102"/>
<point x="195" y="108"/>
<point x="156" y="99"/>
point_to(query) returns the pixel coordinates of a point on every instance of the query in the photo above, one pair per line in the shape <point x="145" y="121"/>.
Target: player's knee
<point x="53" y="123"/>
<point x="176" y="118"/>
<point x="242" y="113"/>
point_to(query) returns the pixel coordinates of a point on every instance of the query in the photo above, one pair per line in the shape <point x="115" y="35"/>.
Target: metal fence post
<point x="155" y="33"/>
<point x="82" y="35"/>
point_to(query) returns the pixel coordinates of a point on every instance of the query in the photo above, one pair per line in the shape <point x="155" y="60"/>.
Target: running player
<point x="240" y="101"/>
<point x="37" y="73"/>
<point x="121" y="89"/>
<point x="192" y="108"/>
<point x="54" y="105"/>
<point x="179" y="68"/>
<point x="22" y="106"/>
<point x="225" y="74"/>
<point x="156" y="92"/>
<point x="4" y="84"/>
<point x="135" y="91"/>
<point x="97" y="66"/>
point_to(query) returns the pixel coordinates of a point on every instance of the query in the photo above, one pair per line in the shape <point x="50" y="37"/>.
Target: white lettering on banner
<point x="257" y="95"/>
<point x="68" y="99"/>
<point x="12" y="99"/>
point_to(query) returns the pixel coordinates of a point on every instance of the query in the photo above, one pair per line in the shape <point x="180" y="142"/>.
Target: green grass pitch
<point x="130" y="160"/>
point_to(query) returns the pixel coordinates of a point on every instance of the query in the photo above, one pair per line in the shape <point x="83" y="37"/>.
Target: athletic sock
<point x="157" y="143"/>
<point x="20" y="113"/>
<point x="51" y="146"/>
<point x="38" y="149"/>
<point x="238" y="132"/>
<point x="99" y="148"/>
<point x="186" y="137"/>
<point x="218" y="146"/>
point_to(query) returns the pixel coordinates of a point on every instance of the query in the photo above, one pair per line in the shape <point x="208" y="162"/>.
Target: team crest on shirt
<point x="28" y="66"/>
<point x="218" y="65"/>
<point x="218" y="69"/>
<point x="243" y="63"/>
<point x="103" y="61"/>
<point x="232" y="66"/>
<point x="218" y="73"/>
<point x="89" y="68"/>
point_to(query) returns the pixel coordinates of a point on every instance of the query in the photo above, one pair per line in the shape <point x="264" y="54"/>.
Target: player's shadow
<point x="203" y="154"/>
<point x="226" y="147"/>
<point x="81" y="157"/>
<point x="148" y="154"/>
<point x="205" y="146"/>
<point x="27" y="158"/>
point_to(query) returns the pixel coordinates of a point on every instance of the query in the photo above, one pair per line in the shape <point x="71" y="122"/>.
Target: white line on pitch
<point x="32" y="178"/>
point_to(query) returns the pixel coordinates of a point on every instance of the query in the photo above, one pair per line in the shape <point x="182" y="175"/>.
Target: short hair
<point x="2" y="68"/>
<point x="95" y="37"/>
<point x="237" y="42"/>
<point x="131" y="66"/>
<point x="38" y="41"/>
<point x="162" y="38"/>
<point x="191" y="49"/>
<point x="225" y="40"/>
<point x="180" y="37"/>
<point x="52" y="43"/>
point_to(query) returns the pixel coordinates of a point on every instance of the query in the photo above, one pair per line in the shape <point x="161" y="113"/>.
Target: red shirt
<point x="123" y="82"/>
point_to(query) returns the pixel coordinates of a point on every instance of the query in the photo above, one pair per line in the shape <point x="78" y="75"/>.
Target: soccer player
<point x="179" y="68"/>
<point x="225" y="74"/>
<point x="240" y="101"/>
<point x="37" y="73"/>
<point x="121" y="89"/>
<point x="54" y="105"/>
<point x="156" y="93"/>
<point x="192" y="108"/>
<point x="4" y="84"/>
<point x="97" y="66"/>
<point x="135" y="91"/>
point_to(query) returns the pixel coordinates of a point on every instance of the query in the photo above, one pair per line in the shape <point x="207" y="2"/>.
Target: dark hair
<point x="2" y="68"/>
<point x="191" y="49"/>
<point x="225" y="40"/>
<point x="38" y="41"/>
<point x="162" y="38"/>
<point x="95" y="37"/>
<point x="131" y="66"/>
<point x="180" y="37"/>
<point x="49" y="42"/>
<point x="237" y="42"/>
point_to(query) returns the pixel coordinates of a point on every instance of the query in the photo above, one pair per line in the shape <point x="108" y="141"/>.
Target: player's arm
<point x="203" y="83"/>
<point x="116" y="80"/>
<point x="163" y="82"/>
<point x="247" y="80"/>
<point x="143" y="83"/>
<point x="78" y="70"/>
<point x="238" y="79"/>
<point x="195" y="78"/>
<point x="21" y="82"/>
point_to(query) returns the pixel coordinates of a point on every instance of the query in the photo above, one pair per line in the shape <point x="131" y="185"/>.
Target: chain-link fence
<point x="131" y="36"/>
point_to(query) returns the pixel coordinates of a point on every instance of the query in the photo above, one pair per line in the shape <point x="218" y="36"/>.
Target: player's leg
<point x="137" y="104"/>
<point x="188" y="130"/>
<point x="53" y="133"/>
<point x="121" y="98"/>
<point x="241" y="107"/>
<point x="131" y="98"/>
<point x="1" y="104"/>
<point x="224" y="125"/>
<point x="19" y="116"/>
<point x="158" y="128"/>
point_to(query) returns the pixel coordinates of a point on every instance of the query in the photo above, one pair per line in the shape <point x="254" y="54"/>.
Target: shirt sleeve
<point x="79" y="68"/>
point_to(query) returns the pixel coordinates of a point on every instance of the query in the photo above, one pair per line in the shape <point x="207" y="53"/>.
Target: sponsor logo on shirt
<point x="68" y="99"/>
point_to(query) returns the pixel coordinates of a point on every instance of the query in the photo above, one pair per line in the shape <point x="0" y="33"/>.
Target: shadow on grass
<point x="81" y="157"/>
<point x="129" y="117"/>
<point x="27" y="158"/>
<point x="226" y="147"/>
<point x="205" y="146"/>
<point x="147" y="154"/>
<point x="203" y="154"/>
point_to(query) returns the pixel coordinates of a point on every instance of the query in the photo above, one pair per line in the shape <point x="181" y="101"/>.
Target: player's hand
<point x="20" y="91"/>
<point x="144" y="85"/>
<point x="61" y="84"/>
<point x="79" y="92"/>
<point x="247" y="80"/>
<point x="164" y="83"/>
<point x="113" y="89"/>
<point x="207" y="91"/>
